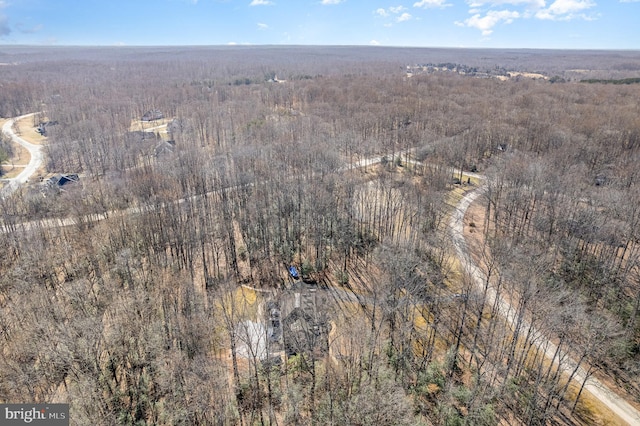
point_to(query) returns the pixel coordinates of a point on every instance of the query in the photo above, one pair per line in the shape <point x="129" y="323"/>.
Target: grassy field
<point x="27" y="130"/>
<point x="158" y="125"/>
<point x="21" y="158"/>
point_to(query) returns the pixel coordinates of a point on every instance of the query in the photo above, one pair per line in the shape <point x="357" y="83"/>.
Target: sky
<point x="555" y="24"/>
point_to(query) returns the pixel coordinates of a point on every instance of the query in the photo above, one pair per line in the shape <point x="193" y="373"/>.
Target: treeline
<point x="613" y="81"/>
<point x="6" y="152"/>
<point x="140" y="318"/>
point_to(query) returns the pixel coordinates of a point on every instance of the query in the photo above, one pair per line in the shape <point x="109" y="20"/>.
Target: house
<point x="175" y="126"/>
<point x="152" y="115"/>
<point x="61" y="180"/>
<point x="301" y="332"/>
<point x="42" y="127"/>
<point x="164" y="148"/>
<point x="305" y="328"/>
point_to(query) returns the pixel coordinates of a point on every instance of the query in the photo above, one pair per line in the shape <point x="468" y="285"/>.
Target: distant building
<point x="60" y="180"/>
<point x="294" y="322"/>
<point x="152" y="115"/>
<point x="42" y="127"/>
<point x="304" y="321"/>
<point x="164" y="148"/>
<point x="175" y="126"/>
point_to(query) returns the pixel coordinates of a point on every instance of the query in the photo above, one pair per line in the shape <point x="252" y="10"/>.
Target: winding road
<point x="617" y="404"/>
<point x="35" y="151"/>
<point x="598" y="389"/>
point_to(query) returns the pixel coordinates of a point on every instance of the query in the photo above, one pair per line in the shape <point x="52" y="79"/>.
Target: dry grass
<point x="157" y="125"/>
<point x="455" y="195"/>
<point x="28" y="131"/>
<point x="472" y="180"/>
<point x="591" y="410"/>
<point x="346" y="319"/>
<point x="21" y="157"/>
<point x="533" y="75"/>
<point x="16" y="164"/>
<point x="11" y="172"/>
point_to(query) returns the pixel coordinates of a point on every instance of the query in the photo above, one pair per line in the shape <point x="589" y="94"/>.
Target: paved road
<point x="598" y="389"/>
<point x="35" y="151"/>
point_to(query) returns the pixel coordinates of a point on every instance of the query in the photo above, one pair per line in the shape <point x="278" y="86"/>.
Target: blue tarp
<point x="293" y="272"/>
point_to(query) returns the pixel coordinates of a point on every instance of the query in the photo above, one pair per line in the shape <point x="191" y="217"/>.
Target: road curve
<point x="618" y="405"/>
<point x="35" y="151"/>
<point x="598" y="389"/>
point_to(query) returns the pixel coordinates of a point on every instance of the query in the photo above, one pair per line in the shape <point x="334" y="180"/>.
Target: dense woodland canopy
<point x="144" y="317"/>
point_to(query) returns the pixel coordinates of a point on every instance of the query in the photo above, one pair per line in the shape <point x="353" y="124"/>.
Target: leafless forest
<point x="155" y="289"/>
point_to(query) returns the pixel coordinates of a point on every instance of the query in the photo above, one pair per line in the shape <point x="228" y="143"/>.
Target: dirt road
<point x="598" y="389"/>
<point x="35" y="151"/>
<point x="624" y="410"/>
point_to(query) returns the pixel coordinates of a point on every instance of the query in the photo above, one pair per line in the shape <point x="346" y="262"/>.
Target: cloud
<point x="565" y="9"/>
<point x="397" y="9"/>
<point x="261" y="3"/>
<point x="29" y="30"/>
<point x="331" y="1"/>
<point x="262" y="26"/>
<point x="397" y="12"/>
<point x="5" y="30"/>
<point x="491" y="19"/>
<point x="486" y="14"/>
<point x="530" y="3"/>
<point x="374" y="43"/>
<point x="426" y="4"/>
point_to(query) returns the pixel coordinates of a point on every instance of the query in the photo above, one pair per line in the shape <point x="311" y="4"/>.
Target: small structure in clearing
<point x="42" y="127"/>
<point x="152" y="115"/>
<point x="61" y="180"/>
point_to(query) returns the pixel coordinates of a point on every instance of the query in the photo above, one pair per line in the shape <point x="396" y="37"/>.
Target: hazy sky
<point x="583" y="24"/>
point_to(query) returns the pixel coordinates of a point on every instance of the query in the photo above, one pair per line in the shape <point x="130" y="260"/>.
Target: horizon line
<point x="251" y="45"/>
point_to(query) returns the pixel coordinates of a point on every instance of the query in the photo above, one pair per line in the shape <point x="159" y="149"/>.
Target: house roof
<point x="152" y="115"/>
